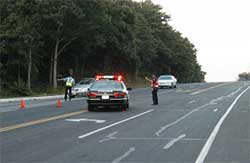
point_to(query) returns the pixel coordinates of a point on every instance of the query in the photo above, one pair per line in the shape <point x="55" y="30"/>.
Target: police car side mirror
<point x="129" y="89"/>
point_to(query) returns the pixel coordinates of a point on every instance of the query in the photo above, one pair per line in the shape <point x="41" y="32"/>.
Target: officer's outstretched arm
<point x="146" y="78"/>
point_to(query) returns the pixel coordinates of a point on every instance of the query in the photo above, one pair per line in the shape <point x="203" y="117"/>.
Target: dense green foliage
<point x="244" y="76"/>
<point x="42" y="39"/>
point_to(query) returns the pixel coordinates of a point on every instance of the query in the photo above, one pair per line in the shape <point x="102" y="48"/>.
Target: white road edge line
<point x="172" y="142"/>
<point x="119" y="159"/>
<point x="114" y="124"/>
<point x="208" y="144"/>
<point x="206" y="89"/>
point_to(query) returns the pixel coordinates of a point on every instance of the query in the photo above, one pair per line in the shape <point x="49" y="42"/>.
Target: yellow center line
<point x="26" y="124"/>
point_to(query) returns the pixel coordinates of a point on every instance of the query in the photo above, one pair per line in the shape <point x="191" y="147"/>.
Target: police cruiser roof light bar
<point x="110" y="77"/>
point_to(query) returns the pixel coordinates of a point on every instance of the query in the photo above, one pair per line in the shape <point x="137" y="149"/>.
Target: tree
<point x="62" y="19"/>
<point x="41" y="40"/>
<point x="28" y="31"/>
<point x="244" y="76"/>
<point x="21" y="27"/>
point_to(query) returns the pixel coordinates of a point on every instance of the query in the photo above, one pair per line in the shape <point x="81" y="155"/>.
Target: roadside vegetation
<point x="42" y="39"/>
<point x="244" y="76"/>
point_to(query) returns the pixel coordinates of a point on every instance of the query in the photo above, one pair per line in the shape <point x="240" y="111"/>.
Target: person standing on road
<point x="154" y="85"/>
<point x="69" y="83"/>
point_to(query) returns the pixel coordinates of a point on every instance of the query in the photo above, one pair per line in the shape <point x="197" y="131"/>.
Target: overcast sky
<point x="220" y="31"/>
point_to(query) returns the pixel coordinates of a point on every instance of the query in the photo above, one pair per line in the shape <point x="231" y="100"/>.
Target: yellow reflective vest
<point x="69" y="81"/>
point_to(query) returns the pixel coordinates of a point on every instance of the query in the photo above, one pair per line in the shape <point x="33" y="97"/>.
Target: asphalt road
<point x="195" y="123"/>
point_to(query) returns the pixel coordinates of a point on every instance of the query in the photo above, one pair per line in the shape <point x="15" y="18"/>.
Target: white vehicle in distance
<point x="167" y="81"/>
<point x="81" y="88"/>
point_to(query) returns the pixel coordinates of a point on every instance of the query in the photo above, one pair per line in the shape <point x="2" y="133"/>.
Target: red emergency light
<point x="110" y="77"/>
<point x="98" y="77"/>
<point x="119" y="78"/>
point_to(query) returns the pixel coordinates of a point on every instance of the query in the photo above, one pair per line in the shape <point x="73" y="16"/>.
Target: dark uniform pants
<point x="154" y="95"/>
<point x="67" y="92"/>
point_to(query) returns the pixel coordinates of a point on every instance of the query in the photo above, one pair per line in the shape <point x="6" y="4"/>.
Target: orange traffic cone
<point x="58" y="104"/>
<point x="22" y="104"/>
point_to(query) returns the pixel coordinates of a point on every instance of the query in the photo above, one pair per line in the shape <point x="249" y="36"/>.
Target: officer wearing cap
<point x="154" y="85"/>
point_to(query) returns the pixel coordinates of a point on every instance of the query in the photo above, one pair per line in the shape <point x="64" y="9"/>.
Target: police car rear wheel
<point x="123" y="107"/>
<point x="126" y="107"/>
<point x="90" y="108"/>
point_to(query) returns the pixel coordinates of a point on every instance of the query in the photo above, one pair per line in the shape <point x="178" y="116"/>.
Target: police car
<point x="108" y="91"/>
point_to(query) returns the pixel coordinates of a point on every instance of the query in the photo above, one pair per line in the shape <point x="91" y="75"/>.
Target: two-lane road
<point x="201" y="122"/>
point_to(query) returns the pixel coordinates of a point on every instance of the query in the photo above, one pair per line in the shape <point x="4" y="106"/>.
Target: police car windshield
<point x="85" y="81"/>
<point x="165" y="78"/>
<point x="107" y="85"/>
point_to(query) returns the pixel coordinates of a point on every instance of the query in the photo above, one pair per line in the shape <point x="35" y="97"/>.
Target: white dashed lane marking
<point x="114" y="124"/>
<point x="109" y="137"/>
<point x="126" y="154"/>
<point x="87" y="120"/>
<point x="172" y="142"/>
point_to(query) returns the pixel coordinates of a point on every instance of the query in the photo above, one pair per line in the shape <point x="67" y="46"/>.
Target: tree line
<point x="42" y="39"/>
<point x="244" y="76"/>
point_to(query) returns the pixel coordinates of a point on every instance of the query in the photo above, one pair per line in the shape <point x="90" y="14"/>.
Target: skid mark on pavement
<point x="119" y="159"/>
<point x="26" y="124"/>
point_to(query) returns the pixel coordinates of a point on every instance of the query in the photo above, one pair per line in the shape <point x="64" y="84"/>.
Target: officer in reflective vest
<point x="154" y="85"/>
<point x="69" y="83"/>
